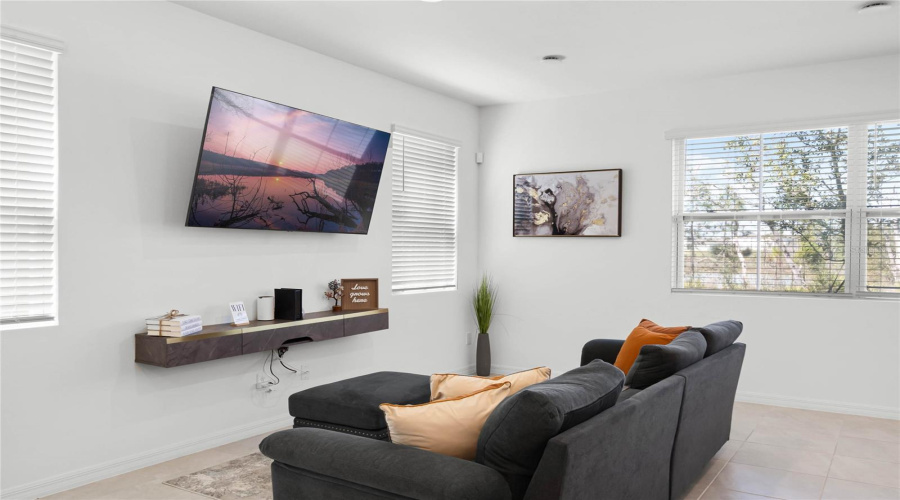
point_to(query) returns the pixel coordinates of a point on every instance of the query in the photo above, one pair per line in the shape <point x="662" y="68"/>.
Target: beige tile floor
<point x="800" y="454"/>
<point x="773" y="453"/>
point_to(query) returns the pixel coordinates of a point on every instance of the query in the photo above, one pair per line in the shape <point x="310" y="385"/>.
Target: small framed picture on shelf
<point x="239" y="314"/>
<point x="360" y="294"/>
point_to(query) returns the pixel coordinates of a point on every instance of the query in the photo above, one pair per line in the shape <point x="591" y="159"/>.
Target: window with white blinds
<point x="424" y="212"/>
<point x="882" y="214"/>
<point x="810" y="211"/>
<point x="28" y="184"/>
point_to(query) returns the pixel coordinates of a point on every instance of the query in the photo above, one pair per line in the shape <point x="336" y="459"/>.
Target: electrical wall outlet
<point x="469" y="336"/>
<point x="267" y="397"/>
<point x="264" y="383"/>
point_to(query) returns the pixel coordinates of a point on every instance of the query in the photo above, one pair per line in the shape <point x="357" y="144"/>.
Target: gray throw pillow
<point x="720" y="335"/>
<point x="513" y="438"/>
<point x="656" y="362"/>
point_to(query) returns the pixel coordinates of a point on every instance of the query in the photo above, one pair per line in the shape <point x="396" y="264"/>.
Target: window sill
<point x="29" y="325"/>
<point x="800" y="295"/>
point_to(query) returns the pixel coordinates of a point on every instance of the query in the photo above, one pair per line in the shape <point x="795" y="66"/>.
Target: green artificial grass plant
<point x="483" y="302"/>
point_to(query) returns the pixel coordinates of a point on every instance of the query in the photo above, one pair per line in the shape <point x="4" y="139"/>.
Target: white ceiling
<point x="489" y="52"/>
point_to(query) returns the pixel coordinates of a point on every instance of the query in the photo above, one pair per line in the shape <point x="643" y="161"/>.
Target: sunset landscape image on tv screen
<point x="268" y="166"/>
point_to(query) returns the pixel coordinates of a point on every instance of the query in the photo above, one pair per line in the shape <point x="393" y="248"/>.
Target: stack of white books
<point x="178" y="326"/>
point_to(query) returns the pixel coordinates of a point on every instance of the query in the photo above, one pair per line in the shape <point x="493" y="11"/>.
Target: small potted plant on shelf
<point x="483" y="303"/>
<point x="335" y="292"/>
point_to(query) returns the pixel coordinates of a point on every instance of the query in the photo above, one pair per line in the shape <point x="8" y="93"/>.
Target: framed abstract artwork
<point x="584" y="203"/>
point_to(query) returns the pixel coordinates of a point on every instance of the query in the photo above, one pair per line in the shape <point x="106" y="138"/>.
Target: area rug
<point x="247" y="478"/>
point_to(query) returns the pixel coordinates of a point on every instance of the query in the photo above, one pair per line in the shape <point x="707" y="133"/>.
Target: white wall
<point x="840" y="354"/>
<point x="135" y="81"/>
<point x="134" y="85"/>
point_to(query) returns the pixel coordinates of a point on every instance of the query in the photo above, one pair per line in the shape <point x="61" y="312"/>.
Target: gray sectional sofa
<point x="576" y="436"/>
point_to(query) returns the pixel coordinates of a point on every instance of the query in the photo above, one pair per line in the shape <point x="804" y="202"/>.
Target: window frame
<point x="398" y="130"/>
<point x="21" y="37"/>
<point x="855" y="212"/>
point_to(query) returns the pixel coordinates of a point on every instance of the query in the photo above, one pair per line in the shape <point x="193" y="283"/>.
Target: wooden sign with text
<point x="359" y="294"/>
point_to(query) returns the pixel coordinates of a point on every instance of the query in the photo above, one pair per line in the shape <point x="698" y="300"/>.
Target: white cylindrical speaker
<point x="265" y="308"/>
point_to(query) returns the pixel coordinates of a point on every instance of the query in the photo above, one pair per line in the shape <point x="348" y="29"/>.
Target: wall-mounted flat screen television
<point x="264" y="165"/>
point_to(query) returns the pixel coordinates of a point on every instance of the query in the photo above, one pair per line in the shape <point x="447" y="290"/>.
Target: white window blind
<point x="424" y="212"/>
<point x="882" y="215"/>
<point x="28" y="183"/>
<point x="792" y="211"/>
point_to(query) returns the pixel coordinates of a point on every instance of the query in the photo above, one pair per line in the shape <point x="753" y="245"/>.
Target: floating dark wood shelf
<point x="225" y="341"/>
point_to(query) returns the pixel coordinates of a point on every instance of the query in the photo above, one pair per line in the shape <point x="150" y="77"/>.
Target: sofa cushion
<point x="647" y="332"/>
<point x="450" y="385"/>
<point x="447" y="426"/>
<point x="325" y="465"/>
<point x="720" y="335"/>
<point x="513" y="439"/>
<point x="354" y="402"/>
<point x="656" y="362"/>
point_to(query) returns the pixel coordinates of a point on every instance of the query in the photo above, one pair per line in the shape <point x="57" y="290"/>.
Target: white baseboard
<point x="775" y="400"/>
<point x="86" y="475"/>
<point x="505" y="369"/>
<point x="785" y="401"/>
<point x="820" y="405"/>
<point x="466" y="370"/>
<point x="498" y="369"/>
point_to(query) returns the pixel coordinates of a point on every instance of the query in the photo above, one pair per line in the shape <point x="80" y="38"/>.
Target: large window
<point x="28" y="164"/>
<point x="815" y="211"/>
<point x="423" y="215"/>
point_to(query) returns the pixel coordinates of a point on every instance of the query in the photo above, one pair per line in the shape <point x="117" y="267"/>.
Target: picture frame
<point x="238" y="314"/>
<point x="360" y="294"/>
<point x="579" y="203"/>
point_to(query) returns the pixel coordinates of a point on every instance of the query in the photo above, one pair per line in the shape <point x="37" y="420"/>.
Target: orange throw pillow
<point x="646" y="333"/>
<point x="451" y="385"/>
<point x="447" y="426"/>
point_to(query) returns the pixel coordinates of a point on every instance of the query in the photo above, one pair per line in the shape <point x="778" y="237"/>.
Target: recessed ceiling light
<point x="555" y="58"/>
<point x="431" y="1"/>
<point x="874" y="7"/>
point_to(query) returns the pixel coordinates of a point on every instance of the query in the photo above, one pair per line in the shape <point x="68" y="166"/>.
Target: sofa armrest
<point x="605" y="349"/>
<point x="622" y="453"/>
<point x="385" y="467"/>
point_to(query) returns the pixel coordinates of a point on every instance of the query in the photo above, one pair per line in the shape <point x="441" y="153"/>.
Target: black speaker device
<point x="289" y="303"/>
